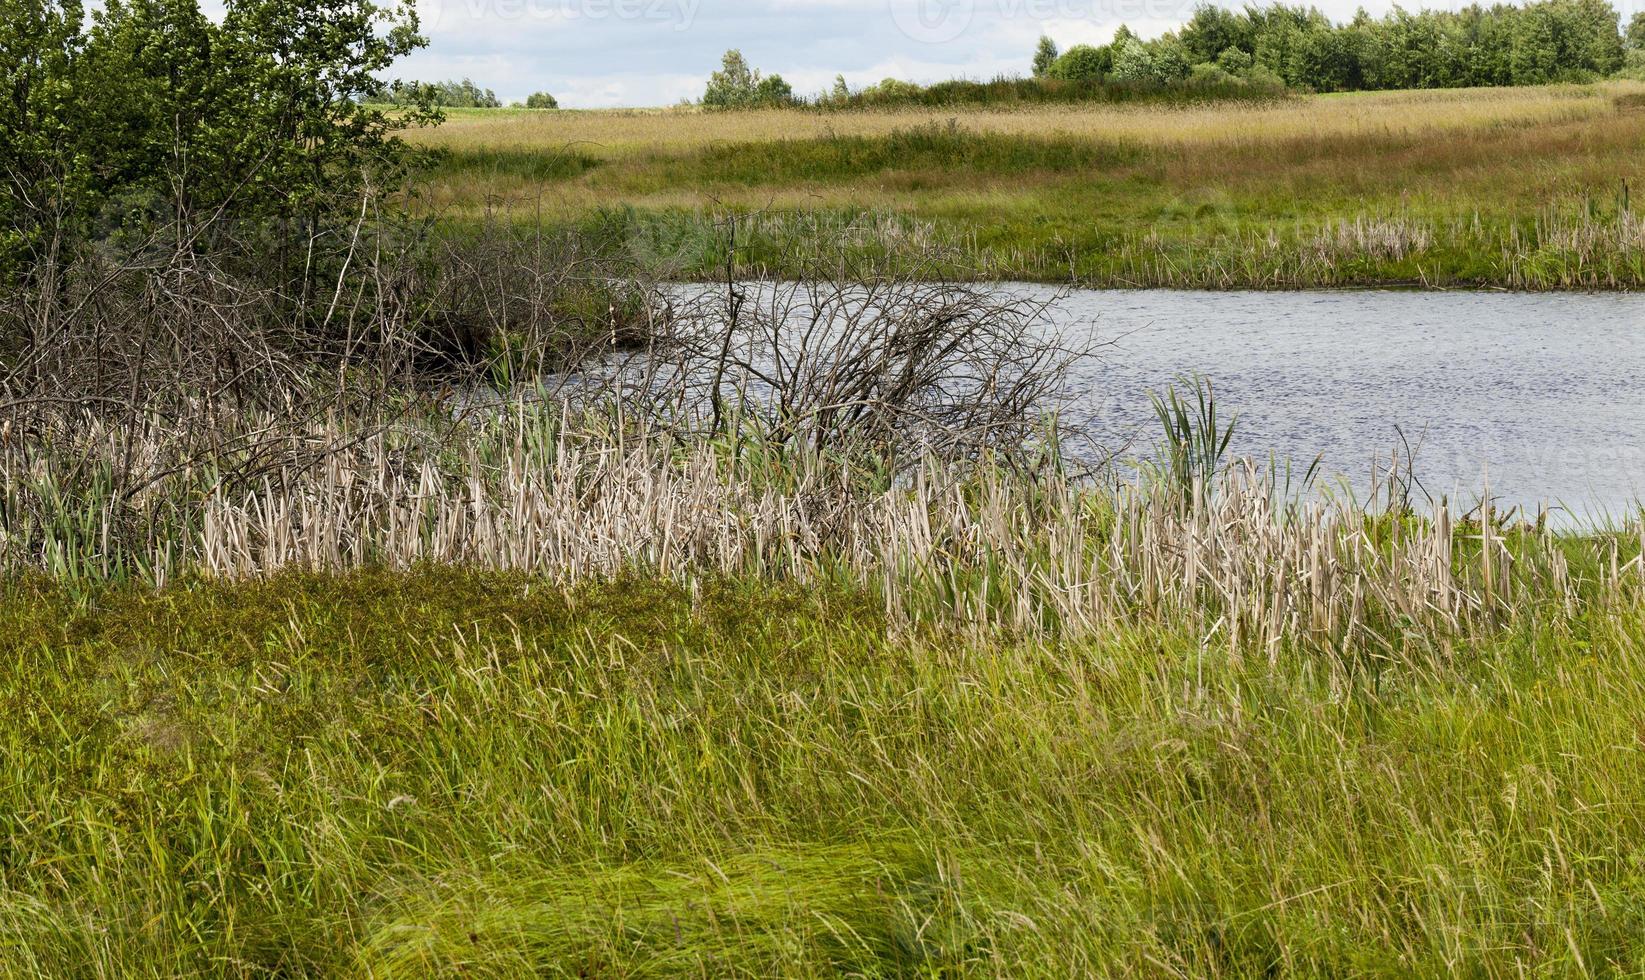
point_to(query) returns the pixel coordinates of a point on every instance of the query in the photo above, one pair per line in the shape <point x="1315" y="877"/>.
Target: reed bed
<point x="979" y="546"/>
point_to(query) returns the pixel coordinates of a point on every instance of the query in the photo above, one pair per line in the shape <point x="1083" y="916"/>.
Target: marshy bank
<point x="316" y="664"/>
<point x="1528" y="189"/>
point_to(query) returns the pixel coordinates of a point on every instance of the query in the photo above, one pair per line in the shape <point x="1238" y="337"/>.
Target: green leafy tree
<point x="733" y="85"/>
<point x="1235" y="61"/>
<point x="1634" y="38"/>
<point x="772" y="90"/>
<point x="1548" y="40"/>
<point x="738" y="86"/>
<point x="1209" y="74"/>
<point x="541" y="100"/>
<point x="1045" y="57"/>
<point x="1133" y="62"/>
<point x="465" y="95"/>
<point x="40" y="173"/>
<point x="258" y="128"/>
<point x="1171" y="59"/>
<point x="1213" y="30"/>
<point x="891" y="91"/>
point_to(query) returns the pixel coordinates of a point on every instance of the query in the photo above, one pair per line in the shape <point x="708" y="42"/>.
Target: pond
<point x="1541" y="397"/>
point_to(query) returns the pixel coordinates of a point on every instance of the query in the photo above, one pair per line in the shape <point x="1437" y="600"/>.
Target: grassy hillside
<point x="1528" y="187"/>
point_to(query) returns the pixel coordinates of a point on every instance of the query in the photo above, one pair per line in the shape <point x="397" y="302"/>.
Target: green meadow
<point x="459" y="773"/>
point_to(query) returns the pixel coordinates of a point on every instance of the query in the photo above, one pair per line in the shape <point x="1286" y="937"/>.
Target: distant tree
<point x="772" y="90"/>
<point x="1323" y="58"/>
<point x="465" y="95"/>
<point x="1045" y="57"/>
<point x="1283" y="45"/>
<point x="1133" y="62"/>
<point x="1213" y="30"/>
<point x="1171" y="58"/>
<point x="891" y="90"/>
<point x="462" y="94"/>
<point x="1207" y="73"/>
<point x="1635" y="36"/>
<point x="541" y="100"/>
<point x="841" y="91"/>
<point x="733" y="86"/>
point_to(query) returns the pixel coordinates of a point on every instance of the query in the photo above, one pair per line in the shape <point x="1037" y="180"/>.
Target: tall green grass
<point x="457" y="773"/>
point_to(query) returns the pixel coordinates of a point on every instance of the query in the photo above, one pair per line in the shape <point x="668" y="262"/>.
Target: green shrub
<point x="1633" y="65"/>
<point x="1206" y="73"/>
<point x="1235" y="62"/>
<point x="153" y="116"/>
<point x="1083" y="63"/>
<point x="1133" y="62"/>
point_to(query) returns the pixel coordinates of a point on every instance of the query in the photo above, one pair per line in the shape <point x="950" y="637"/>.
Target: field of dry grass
<point x="1485" y="187"/>
<point x="614" y="133"/>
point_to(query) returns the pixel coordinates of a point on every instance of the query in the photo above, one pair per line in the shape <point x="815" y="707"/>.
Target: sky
<point x="603" y="53"/>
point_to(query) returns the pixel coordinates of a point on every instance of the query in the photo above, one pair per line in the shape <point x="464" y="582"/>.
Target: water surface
<point x="1538" y="396"/>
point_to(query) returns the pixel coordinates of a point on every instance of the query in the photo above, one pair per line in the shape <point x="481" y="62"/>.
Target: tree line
<point x="1261" y="51"/>
<point x="1534" y="44"/>
<point x="455" y="94"/>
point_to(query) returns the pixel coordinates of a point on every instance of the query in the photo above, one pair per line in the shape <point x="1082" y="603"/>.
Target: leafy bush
<point x="541" y="100"/>
<point x="1235" y="62"/>
<point x="772" y="90"/>
<point x="153" y="125"/>
<point x="1083" y="63"/>
<point x="1206" y="73"/>
<point x="738" y="86"/>
<point x="891" y="90"/>
<point x="1133" y="61"/>
<point x="1633" y="65"/>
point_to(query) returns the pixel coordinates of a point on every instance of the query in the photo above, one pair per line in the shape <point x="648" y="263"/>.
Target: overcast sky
<point x="595" y="53"/>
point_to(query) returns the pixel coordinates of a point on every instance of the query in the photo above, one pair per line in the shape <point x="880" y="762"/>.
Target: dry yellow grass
<point x="616" y="132"/>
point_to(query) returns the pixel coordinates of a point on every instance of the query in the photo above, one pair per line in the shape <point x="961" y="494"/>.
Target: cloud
<point x="595" y="53"/>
